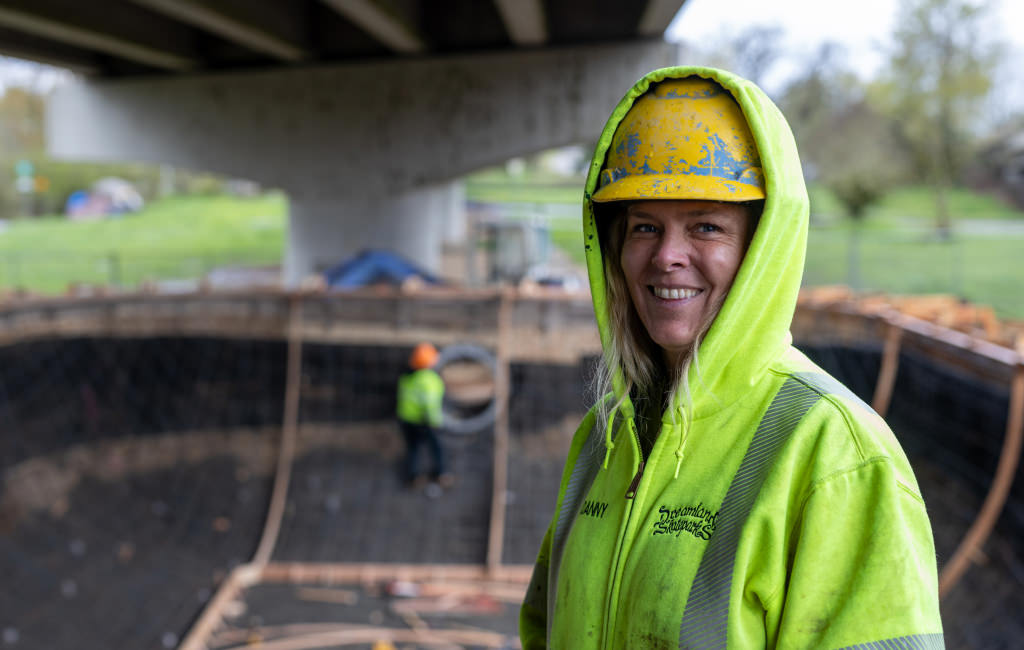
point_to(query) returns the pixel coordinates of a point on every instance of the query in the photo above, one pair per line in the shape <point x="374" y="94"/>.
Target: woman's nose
<point x="673" y="251"/>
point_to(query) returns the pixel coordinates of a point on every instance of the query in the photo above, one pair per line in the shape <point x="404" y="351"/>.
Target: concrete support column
<point x="455" y="222"/>
<point x="324" y="231"/>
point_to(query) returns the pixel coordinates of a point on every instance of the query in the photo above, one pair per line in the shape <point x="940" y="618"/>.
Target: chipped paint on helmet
<point x="677" y="121"/>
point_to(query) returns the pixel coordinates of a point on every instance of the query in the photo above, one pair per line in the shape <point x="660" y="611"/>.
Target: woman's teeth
<point x="675" y="294"/>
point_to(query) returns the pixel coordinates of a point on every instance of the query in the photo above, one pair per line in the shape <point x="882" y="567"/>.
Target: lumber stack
<point x="944" y="310"/>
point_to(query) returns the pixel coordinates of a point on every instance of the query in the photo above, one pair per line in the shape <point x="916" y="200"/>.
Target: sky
<point x="863" y="27"/>
<point x="25" y="74"/>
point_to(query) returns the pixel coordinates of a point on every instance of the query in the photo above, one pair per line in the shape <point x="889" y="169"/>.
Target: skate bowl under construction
<point x="218" y="470"/>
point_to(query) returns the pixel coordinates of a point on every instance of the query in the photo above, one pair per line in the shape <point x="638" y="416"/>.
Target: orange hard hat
<point x="424" y="356"/>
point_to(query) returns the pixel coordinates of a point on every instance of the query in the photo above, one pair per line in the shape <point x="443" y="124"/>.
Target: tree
<point x="21" y="122"/>
<point x="846" y="144"/>
<point x="810" y="101"/>
<point x="755" y="50"/>
<point x="751" y="53"/>
<point x="865" y="162"/>
<point x="939" y="75"/>
<point x="21" y="136"/>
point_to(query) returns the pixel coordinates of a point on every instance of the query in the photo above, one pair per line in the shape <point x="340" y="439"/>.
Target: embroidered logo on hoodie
<point x="696" y="520"/>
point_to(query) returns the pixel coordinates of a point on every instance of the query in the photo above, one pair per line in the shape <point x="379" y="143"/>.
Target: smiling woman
<point x="724" y="491"/>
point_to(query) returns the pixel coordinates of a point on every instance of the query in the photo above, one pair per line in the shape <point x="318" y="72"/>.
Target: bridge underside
<point x="140" y="38"/>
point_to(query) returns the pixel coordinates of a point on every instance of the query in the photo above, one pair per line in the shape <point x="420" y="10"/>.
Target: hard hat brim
<point x="655" y="187"/>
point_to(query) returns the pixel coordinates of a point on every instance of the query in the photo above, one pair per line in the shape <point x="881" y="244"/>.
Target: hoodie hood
<point x="752" y="328"/>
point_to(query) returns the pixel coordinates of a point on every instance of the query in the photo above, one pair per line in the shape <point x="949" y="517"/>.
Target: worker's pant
<point x="417" y="435"/>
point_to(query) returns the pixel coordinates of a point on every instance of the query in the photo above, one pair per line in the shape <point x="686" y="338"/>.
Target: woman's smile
<point x="666" y="293"/>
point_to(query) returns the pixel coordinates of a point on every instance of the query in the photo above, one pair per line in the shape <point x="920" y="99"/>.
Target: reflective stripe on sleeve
<point x="588" y="463"/>
<point x="913" y="642"/>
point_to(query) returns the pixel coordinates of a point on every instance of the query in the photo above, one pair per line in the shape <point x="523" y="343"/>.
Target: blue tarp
<point x="374" y="267"/>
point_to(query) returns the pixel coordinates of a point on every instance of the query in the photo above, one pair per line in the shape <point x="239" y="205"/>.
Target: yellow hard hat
<point x="682" y="139"/>
<point x="424" y="356"/>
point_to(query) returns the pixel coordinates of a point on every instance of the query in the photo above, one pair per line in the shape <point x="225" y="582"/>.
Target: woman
<point x="726" y="492"/>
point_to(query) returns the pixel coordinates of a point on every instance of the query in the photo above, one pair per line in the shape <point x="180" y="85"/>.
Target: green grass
<point x="173" y="238"/>
<point x="823" y="203"/>
<point x="495" y="186"/>
<point x="487" y="192"/>
<point x="570" y="240"/>
<point x="982" y="269"/>
<point x="919" y="201"/>
<point x="900" y="254"/>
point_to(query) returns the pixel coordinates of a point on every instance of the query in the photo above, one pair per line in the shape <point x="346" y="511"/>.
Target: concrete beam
<point x="230" y="25"/>
<point x="524" y="20"/>
<point x="657" y="16"/>
<point x="23" y="46"/>
<point x="157" y="46"/>
<point x="373" y="129"/>
<point x="381" y="23"/>
<point x="39" y="56"/>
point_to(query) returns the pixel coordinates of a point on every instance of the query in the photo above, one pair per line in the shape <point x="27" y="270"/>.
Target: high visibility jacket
<point x="778" y="511"/>
<point x="420" y="394"/>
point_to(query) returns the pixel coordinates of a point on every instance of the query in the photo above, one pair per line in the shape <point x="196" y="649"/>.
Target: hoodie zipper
<point x="635" y="483"/>
<point x="631" y="492"/>
<point x="610" y="606"/>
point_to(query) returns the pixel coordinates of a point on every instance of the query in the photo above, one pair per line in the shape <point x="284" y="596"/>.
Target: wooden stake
<point x="331" y="573"/>
<point x="996" y="498"/>
<point x="496" y="530"/>
<point x="282" y="478"/>
<point x="887" y="371"/>
<point x="368" y="635"/>
<point x="248" y="574"/>
<point x="240" y="578"/>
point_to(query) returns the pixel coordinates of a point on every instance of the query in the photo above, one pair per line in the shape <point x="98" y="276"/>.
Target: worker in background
<point x="420" y="392"/>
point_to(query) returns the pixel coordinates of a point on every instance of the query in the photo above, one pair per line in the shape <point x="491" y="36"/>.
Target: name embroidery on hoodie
<point x="594" y="509"/>
<point x="696" y="520"/>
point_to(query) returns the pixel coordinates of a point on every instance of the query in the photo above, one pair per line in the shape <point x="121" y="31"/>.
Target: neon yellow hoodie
<point x="783" y="513"/>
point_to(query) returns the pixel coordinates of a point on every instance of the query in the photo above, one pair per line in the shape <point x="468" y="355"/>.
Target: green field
<point x="173" y="238"/>
<point x="984" y="269"/>
<point x="488" y="187"/>
<point x="184" y="237"/>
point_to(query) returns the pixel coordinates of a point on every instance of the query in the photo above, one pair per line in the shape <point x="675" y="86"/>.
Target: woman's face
<point x="679" y="259"/>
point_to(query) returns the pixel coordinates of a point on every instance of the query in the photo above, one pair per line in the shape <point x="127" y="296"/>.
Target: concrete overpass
<point x="363" y="111"/>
